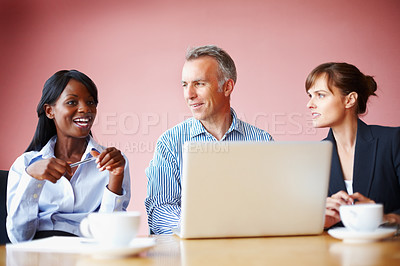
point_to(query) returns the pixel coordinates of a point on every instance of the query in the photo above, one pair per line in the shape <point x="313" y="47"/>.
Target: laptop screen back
<point x="241" y="189"/>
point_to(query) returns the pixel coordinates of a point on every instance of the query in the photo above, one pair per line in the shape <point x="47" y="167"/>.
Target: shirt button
<point x="118" y="201"/>
<point x="39" y="185"/>
<point x="35" y="196"/>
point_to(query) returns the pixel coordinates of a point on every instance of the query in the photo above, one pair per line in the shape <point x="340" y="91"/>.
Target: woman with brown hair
<point x="365" y="158"/>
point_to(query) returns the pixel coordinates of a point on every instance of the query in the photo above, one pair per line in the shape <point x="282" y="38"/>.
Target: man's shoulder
<point x="179" y="128"/>
<point x="177" y="133"/>
<point x="252" y="132"/>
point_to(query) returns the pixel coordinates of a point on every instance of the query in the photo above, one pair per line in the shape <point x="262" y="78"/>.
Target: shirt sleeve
<point x="23" y="193"/>
<point x="112" y="202"/>
<point x="163" y="202"/>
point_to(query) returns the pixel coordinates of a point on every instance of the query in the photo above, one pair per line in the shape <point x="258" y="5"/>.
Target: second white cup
<point x="361" y="217"/>
<point x="114" y="229"/>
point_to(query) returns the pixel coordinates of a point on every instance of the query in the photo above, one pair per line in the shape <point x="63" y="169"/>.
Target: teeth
<point x="82" y="120"/>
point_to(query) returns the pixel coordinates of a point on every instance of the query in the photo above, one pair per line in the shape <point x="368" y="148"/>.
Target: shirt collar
<point x="197" y="127"/>
<point x="48" y="150"/>
<point x="237" y="124"/>
<point x="92" y="145"/>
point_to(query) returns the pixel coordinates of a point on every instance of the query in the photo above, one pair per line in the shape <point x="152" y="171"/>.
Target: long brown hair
<point x="347" y="78"/>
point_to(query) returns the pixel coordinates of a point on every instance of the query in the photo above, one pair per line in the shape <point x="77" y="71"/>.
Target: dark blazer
<point x="376" y="172"/>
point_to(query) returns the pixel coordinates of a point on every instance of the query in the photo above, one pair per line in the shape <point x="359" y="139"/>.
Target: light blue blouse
<point x="36" y="205"/>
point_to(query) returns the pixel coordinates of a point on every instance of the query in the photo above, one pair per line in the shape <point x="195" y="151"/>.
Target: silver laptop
<point x="247" y="189"/>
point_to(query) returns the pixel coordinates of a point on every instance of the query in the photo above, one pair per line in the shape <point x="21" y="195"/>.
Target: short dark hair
<point x="52" y="89"/>
<point x="347" y="78"/>
<point x="227" y="68"/>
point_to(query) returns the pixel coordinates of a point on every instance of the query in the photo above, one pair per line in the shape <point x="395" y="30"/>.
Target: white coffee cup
<point x="114" y="229"/>
<point x="361" y="217"/>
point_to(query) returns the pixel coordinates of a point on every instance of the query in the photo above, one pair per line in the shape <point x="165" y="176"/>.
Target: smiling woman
<point x="52" y="90"/>
<point x="74" y="111"/>
<point x="46" y="195"/>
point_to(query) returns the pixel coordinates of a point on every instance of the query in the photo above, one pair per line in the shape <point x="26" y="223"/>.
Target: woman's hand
<point x="51" y="169"/>
<point x="391" y="218"/>
<point x="361" y="199"/>
<point x="332" y="215"/>
<point x="333" y="204"/>
<point x="111" y="159"/>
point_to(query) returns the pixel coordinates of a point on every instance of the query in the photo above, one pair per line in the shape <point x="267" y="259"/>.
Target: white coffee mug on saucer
<point x="362" y="217"/>
<point x="114" y="229"/>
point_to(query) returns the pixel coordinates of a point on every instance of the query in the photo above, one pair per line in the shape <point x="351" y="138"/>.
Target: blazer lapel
<point x="336" y="181"/>
<point x="364" y="159"/>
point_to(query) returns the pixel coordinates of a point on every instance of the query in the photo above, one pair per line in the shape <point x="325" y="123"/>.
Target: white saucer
<point x="135" y="247"/>
<point x="360" y="237"/>
<point x="81" y="245"/>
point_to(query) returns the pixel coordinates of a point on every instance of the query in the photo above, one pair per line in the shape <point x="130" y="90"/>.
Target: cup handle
<point x="85" y="228"/>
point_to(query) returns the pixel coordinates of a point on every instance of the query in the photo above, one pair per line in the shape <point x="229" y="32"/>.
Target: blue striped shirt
<point x="163" y="201"/>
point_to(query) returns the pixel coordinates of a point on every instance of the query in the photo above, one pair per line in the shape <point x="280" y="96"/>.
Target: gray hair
<point x="227" y="68"/>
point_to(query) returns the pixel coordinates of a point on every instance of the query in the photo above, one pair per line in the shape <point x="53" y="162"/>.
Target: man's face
<point x="206" y="100"/>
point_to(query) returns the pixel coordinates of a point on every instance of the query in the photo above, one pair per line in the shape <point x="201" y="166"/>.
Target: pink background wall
<point x="134" y="52"/>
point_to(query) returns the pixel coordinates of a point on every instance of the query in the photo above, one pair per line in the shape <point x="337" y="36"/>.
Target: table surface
<point x="170" y="250"/>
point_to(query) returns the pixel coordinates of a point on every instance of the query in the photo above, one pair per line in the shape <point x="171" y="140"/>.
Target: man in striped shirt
<point x="208" y="79"/>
